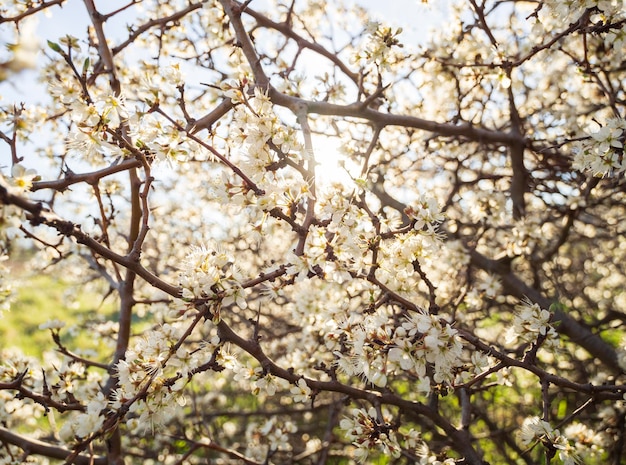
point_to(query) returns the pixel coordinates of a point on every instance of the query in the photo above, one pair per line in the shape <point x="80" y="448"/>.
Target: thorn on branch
<point x="35" y="217"/>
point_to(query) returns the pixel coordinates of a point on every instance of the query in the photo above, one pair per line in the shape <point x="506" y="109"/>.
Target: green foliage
<point x="42" y="298"/>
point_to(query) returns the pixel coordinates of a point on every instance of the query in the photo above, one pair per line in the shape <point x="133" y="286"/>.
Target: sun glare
<point x="331" y="163"/>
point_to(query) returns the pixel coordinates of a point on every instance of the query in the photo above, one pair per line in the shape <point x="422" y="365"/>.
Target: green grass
<point x="41" y="298"/>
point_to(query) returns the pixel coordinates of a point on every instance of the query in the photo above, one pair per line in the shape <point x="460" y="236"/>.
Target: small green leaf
<point x="554" y="307"/>
<point x="54" y="46"/>
<point x="562" y="408"/>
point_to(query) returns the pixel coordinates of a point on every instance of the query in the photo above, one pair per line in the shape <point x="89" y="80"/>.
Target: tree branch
<point x="564" y="323"/>
<point x="36" y="447"/>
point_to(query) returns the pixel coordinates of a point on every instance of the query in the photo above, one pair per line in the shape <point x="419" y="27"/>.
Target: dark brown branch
<point x="565" y="324"/>
<point x="31" y="11"/>
<point x="519" y="178"/>
<point x="246" y="43"/>
<point x="34" y="446"/>
<point x="90" y="178"/>
<point x="39" y="215"/>
<point x="603" y="391"/>
<point x="143" y="28"/>
<point x="356" y="110"/>
<point x="208" y="120"/>
<point x="459" y="439"/>
<point x="287" y="31"/>
<point x="105" y="53"/>
<point x="209" y="444"/>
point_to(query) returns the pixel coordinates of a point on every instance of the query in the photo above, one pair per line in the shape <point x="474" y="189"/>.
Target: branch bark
<point x="564" y="323"/>
<point x="40" y="215"/>
<point x="34" y="446"/>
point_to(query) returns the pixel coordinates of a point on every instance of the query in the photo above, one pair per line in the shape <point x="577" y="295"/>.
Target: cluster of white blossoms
<point x="426" y="213"/>
<point x="15" y="365"/>
<point x="367" y="431"/>
<point x="251" y="376"/>
<point x="164" y="141"/>
<point x="374" y="430"/>
<point x="587" y="442"/>
<point x="577" y="445"/>
<point x="85" y="423"/>
<point x="527" y="234"/>
<point x="256" y="128"/>
<point x="156" y="86"/>
<point x="88" y="138"/>
<point x="97" y="114"/>
<point x="425" y="339"/>
<point x="571" y="10"/>
<point x="398" y="260"/>
<point x="264" y="147"/>
<point x="534" y="429"/>
<point x="346" y="250"/>
<point x="209" y="272"/>
<point x="64" y="380"/>
<point x="603" y="153"/>
<point x="154" y="372"/>
<point x="379" y="48"/>
<point x="370" y="346"/>
<point x="269" y="436"/>
<point x="21" y="120"/>
<point x="530" y="323"/>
